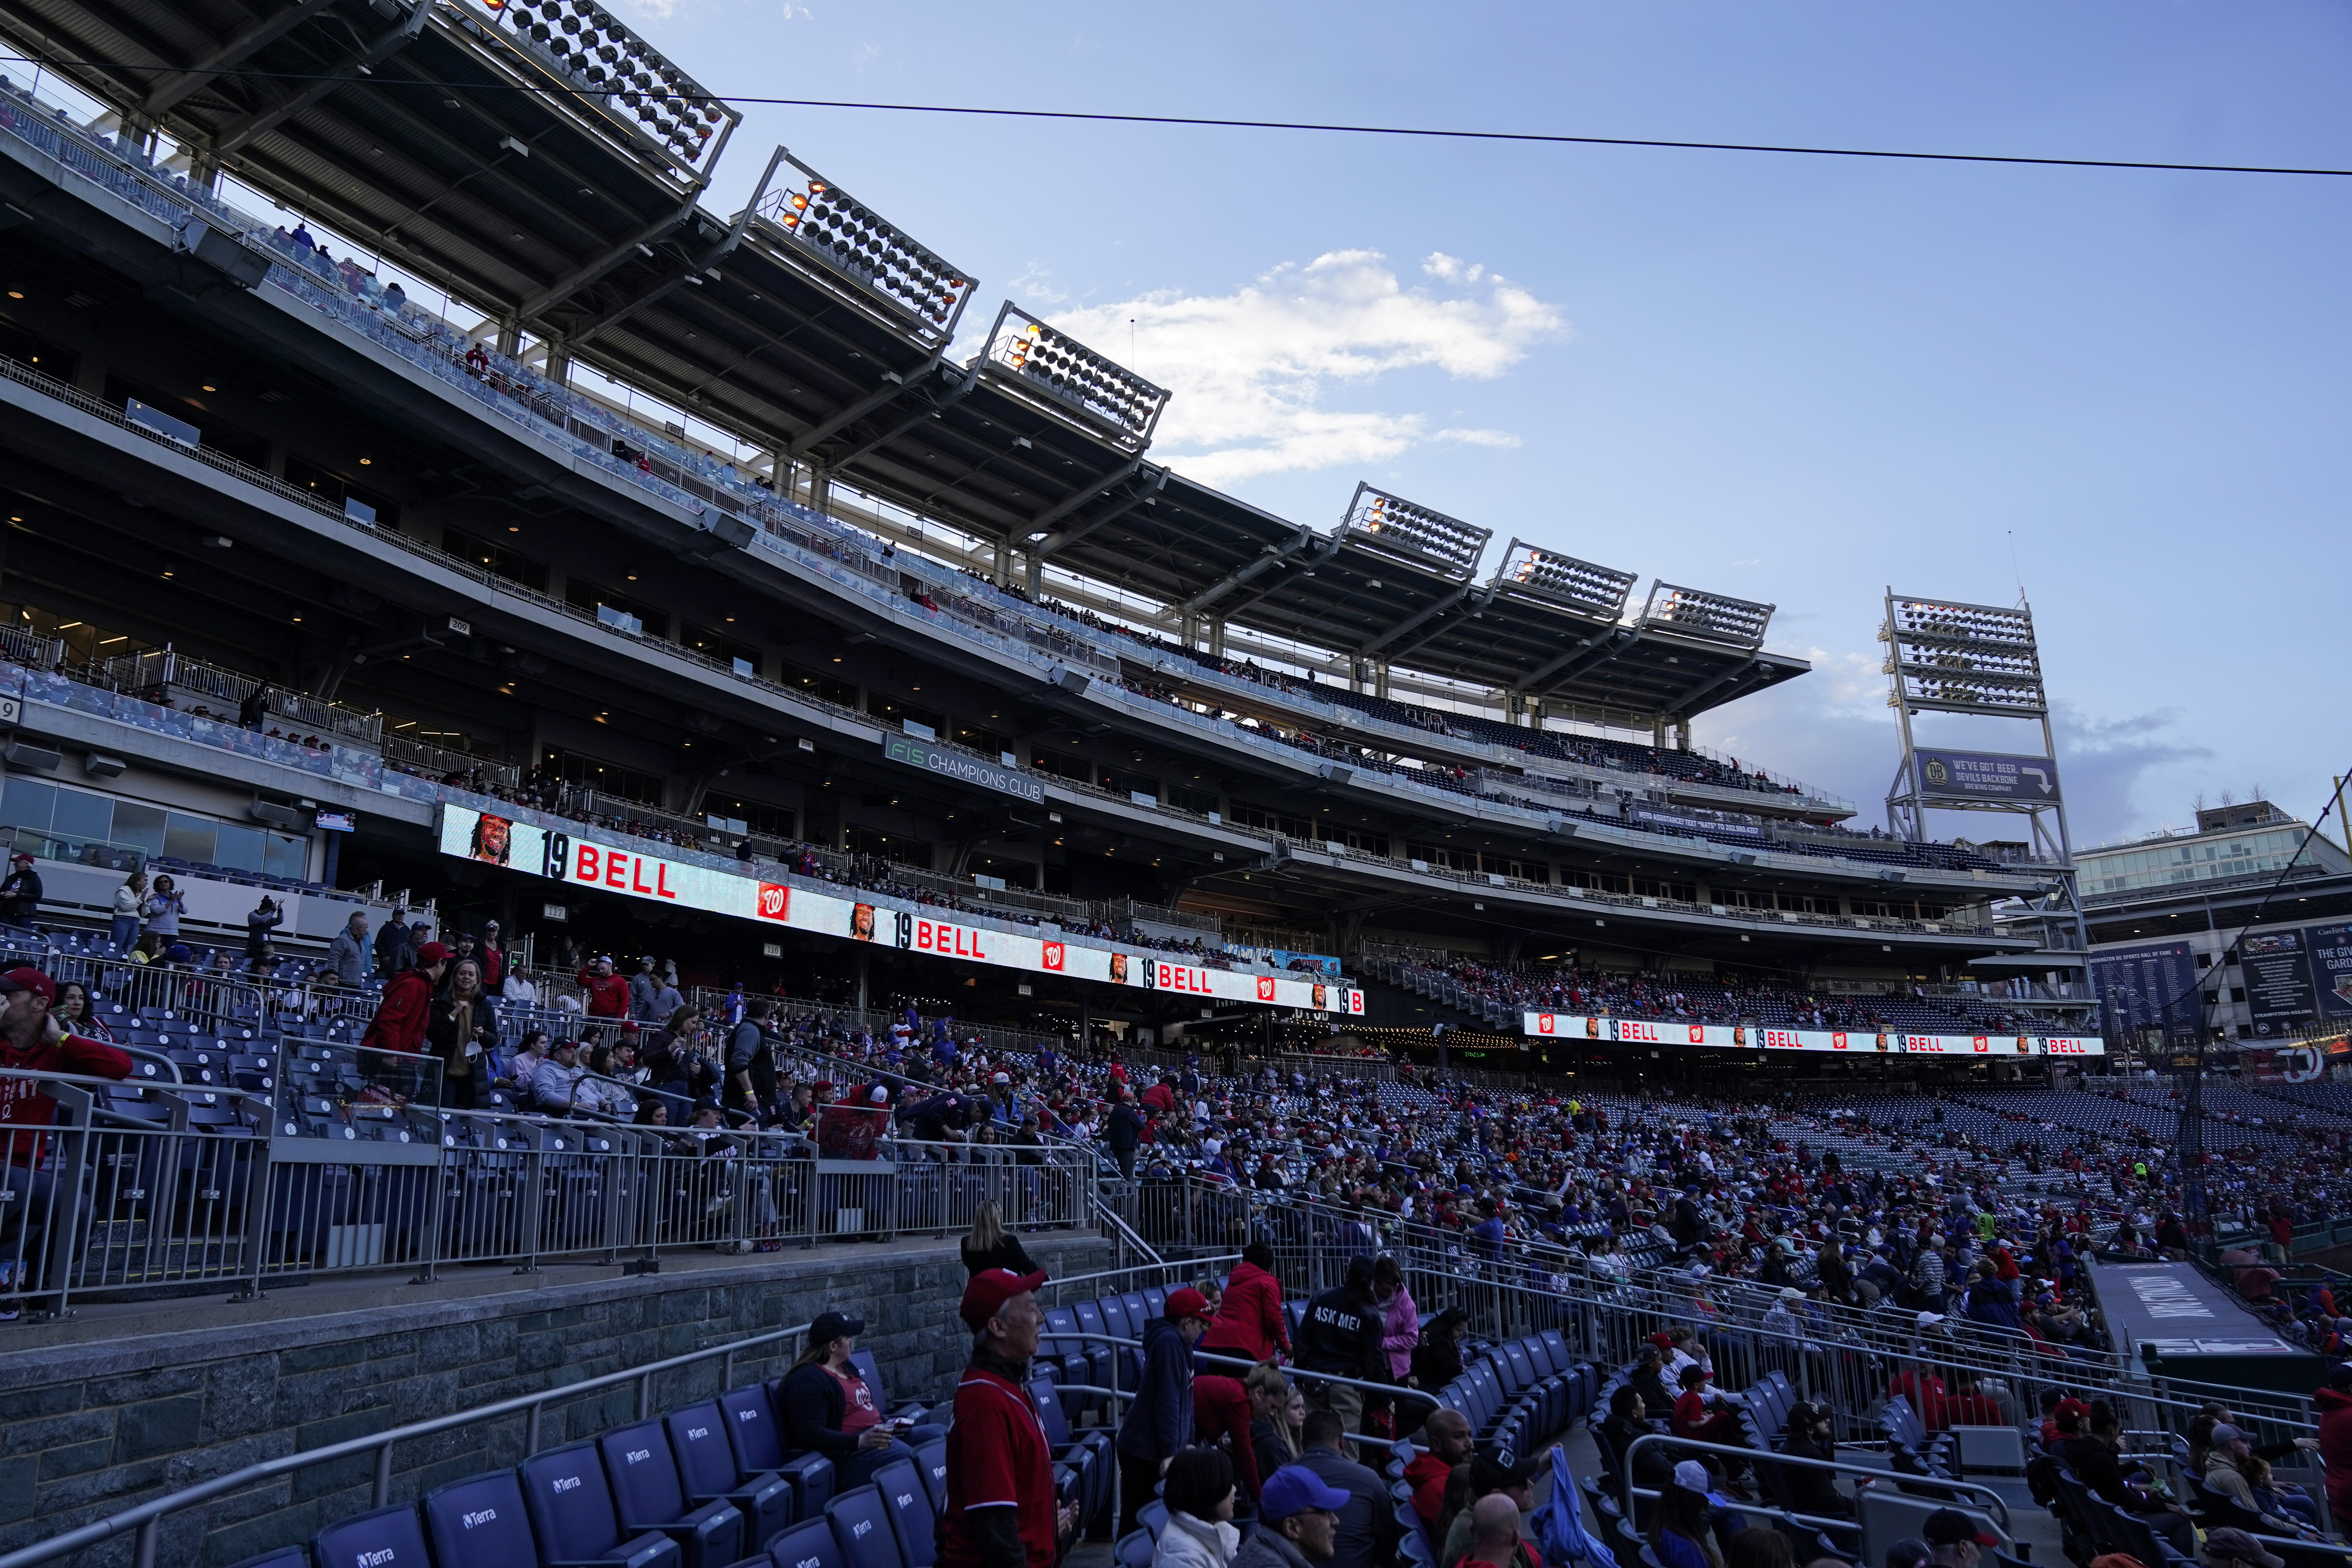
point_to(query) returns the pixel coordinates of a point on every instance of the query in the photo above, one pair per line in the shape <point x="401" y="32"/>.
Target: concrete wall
<point x="87" y="1429"/>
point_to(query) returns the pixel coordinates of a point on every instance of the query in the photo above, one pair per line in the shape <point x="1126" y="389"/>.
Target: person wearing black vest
<point x="750" y="1065"/>
<point x="1341" y="1335"/>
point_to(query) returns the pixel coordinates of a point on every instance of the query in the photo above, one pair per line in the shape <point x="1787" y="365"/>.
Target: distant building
<point x="2239" y="926"/>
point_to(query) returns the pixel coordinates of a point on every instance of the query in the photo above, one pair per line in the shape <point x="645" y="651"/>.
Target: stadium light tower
<point x="1943" y="655"/>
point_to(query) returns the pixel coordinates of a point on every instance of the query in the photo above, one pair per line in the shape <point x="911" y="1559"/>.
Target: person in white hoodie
<point x="1200" y="1498"/>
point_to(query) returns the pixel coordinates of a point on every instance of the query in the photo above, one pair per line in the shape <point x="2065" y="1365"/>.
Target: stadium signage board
<point x="587" y="862"/>
<point x="1987" y="775"/>
<point x="1743" y="1036"/>
<point x="955" y="766"/>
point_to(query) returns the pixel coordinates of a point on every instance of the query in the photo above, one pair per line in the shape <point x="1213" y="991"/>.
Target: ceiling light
<point x="366" y="462"/>
<point x="209" y="387"/>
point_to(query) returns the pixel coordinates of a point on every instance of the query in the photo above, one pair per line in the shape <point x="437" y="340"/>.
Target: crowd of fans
<point x="1671" y="997"/>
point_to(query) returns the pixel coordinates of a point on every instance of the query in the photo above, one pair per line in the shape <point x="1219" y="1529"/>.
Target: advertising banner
<point x="1744" y="1036"/>
<point x="2278" y="990"/>
<point x="588" y="863"/>
<point x="2329" y="949"/>
<point x="963" y="769"/>
<point x="1987" y="775"/>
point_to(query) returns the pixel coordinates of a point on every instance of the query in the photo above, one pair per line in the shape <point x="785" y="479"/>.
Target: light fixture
<point x="364" y="462"/>
<point x="1398" y="525"/>
<point x="1075" y="375"/>
<point x="209" y="387"/>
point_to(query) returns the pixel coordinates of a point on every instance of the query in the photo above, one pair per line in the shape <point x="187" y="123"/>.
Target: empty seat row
<point x="705" y="1487"/>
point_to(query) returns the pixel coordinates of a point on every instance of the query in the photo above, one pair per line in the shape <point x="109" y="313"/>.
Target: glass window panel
<point x="82" y="816"/>
<point x="28" y="803"/>
<point x="190" y="839"/>
<point x="240" y="849"/>
<point x="286" y="855"/>
<point x="138" y="825"/>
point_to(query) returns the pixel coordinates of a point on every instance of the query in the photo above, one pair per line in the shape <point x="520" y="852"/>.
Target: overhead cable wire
<point x="1219" y="123"/>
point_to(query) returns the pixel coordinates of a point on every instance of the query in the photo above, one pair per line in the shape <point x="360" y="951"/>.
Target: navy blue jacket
<point x="1159" y="1424"/>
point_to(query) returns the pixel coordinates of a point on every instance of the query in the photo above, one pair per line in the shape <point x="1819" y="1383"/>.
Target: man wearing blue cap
<point x="1298" y="1518"/>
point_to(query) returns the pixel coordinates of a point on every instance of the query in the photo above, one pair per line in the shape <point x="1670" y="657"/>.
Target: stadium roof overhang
<point x="463" y="148"/>
<point x="542" y="161"/>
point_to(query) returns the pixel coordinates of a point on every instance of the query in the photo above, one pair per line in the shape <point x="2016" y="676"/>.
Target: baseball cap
<point x="1950" y="1527"/>
<point x="990" y="1290"/>
<point x="831" y="1326"/>
<point x="30" y="979"/>
<point x="881" y="1095"/>
<point x="2231" y="1545"/>
<point x="1692" y="1477"/>
<point x="1496" y="1466"/>
<point x="2225" y="1433"/>
<point x="2071" y="1410"/>
<point x="1295" y="1489"/>
<point x="430" y="953"/>
<point x="1791" y="1293"/>
<point x="1187" y="1302"/>
<point x="1927" y="1318"/>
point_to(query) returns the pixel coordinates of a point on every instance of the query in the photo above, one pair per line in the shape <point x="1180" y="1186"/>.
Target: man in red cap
<point x="401" y="1016"/>
<point x="1159" y="1424"/>
<point x="31" y="1041"/>
<point x="1000" y="1512"/>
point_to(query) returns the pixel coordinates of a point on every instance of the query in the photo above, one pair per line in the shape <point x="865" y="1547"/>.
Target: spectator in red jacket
<point x="2334" y="1405"/>
<point x="1450" y="1443"/>
<point x="1249" y="1323"/>
<point x="407" y="1005"/>
<point x="608" y="994"/>
<point x="1161" y="1096"/>
<point x="31" y="1041"/>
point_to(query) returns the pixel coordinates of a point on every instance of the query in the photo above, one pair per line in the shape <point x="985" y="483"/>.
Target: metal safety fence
<point x="1851" y="1358"/>
<point x="146" y="1186"/>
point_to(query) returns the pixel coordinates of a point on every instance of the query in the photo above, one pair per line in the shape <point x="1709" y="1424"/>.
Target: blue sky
<point x="1795" y="380"/>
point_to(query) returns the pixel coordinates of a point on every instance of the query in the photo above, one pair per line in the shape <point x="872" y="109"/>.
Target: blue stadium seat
<point x="931" y="1458"/>
<point x="647" y="1494"/>
<point x="481" y="1523"/>
<point x="284" y="1557"/>
<point x="387" y="1538"/>
<point x="706" y="1463"/>
<point x="571" y="1513"/>
<point x="861" y="1524"/>
<point x="753" y="1432"/>
<point x="808" y="1545"/>
<point x="908" y="1503"/>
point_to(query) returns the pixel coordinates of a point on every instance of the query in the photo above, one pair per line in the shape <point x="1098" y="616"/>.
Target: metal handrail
<point x="147" y="1518"/>
<point x="2000" y="1509"/>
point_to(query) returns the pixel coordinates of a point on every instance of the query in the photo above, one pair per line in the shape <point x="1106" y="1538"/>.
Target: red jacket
<point x="1221" y="1408"/>
<point x="608" y="996"/>
<point x="1427" y="1474"/>
<point x="2335" y="1448"/>
<point x="22" y="1105"/>
<point x="400" y="1017"/>
<point x="1249" y="1322"/>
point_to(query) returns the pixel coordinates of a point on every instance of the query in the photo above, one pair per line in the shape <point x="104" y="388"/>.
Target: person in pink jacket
<point x="1402" y="1329"/>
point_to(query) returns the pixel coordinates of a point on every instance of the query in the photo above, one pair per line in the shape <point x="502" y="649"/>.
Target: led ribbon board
<point x="1749" y="1037"/>
<point x="590" y="862"/>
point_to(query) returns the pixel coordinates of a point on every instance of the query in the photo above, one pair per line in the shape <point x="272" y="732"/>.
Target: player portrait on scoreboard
<point x="1118" y="969"/>
<point x="493" y="838"/>
<point x="861" y="923"/>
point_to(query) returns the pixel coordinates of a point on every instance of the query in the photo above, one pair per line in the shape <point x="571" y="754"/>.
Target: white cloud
<point x="1249" y="369"/>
